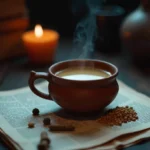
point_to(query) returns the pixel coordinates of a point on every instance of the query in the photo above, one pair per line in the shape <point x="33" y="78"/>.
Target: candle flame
<point x="38" y="30"/>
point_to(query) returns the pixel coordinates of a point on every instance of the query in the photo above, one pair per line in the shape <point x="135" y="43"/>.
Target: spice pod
<point x="44" y="137"/>
<point x="61" y="128"/>
<point x="43" y="145"/>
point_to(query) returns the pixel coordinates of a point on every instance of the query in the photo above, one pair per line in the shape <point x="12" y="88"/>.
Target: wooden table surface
<point x="130" y="74"/>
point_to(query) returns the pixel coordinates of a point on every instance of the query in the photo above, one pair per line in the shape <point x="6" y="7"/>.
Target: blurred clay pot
<point x="135" y="33"/>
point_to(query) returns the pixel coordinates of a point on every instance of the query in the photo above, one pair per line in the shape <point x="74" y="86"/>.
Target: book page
<point x="16" y="111"/>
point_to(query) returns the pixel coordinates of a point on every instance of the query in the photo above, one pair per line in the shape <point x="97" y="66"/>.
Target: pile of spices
<point x="44" y="142"/>
<point x="35" y="112"/>
<point x="118" y="116"/>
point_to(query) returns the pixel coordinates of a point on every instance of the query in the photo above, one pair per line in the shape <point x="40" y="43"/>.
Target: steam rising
<point x="85" y="32"/>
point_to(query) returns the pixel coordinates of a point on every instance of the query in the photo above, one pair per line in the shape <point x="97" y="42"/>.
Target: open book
<point x="16" y="111"/>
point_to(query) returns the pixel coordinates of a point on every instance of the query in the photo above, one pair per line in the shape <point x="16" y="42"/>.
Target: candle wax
<point x="41" y="49"/>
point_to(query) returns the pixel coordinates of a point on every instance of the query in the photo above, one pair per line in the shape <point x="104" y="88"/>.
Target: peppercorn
<point x="31" y="125"/>
<point x="47" y="121"/>
<point x="35" y="112"/>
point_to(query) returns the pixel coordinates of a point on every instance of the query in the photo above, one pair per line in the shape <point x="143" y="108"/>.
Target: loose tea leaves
<point x="118" y="116"/>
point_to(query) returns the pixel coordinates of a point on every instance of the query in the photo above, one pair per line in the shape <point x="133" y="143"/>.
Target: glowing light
<point x="38" y="31"/>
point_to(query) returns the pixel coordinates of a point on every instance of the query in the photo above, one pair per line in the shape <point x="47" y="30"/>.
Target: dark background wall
<point x="57" y="14"/>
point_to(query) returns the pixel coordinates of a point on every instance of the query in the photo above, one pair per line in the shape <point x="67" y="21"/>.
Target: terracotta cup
<point x="78" y="95"/>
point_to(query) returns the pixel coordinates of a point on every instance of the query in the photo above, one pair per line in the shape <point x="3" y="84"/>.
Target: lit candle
<point x="40" y="44"/>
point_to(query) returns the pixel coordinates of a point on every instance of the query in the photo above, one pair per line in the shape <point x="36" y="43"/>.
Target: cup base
<point x="84" y="114"/>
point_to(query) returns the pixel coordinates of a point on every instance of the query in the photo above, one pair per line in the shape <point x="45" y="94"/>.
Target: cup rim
<point x="83" y="81"/>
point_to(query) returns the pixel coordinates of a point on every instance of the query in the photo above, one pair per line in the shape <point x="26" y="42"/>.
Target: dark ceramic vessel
<point x="78" y="96"/>
<point x="135" y="33"/>
<point x="108" y="20"/>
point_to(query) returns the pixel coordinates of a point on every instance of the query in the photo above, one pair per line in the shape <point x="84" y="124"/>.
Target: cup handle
<point x="34" y="76"/>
